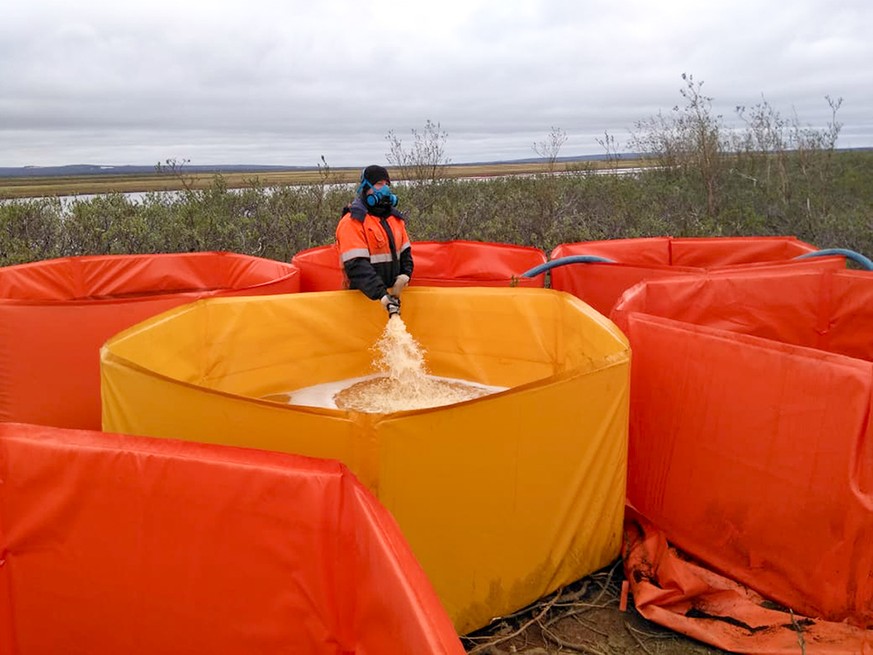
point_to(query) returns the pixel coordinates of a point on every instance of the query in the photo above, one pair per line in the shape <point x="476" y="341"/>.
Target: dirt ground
<point x="583" y="617"/>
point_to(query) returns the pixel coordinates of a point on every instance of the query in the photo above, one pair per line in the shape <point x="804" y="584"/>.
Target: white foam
<point x="322" y="395"/>
<point x="401" y="360"/>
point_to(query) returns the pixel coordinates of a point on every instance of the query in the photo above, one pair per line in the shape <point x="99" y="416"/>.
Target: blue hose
<point x="858" y="258"/>
<point x="561" y="261"/>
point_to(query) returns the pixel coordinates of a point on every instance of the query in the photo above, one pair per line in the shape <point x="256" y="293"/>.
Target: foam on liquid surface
<point x="402" y="382"/>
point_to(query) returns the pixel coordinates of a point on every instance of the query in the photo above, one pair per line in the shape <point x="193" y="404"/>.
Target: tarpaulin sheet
<point x="674" y="591"/>
<point x="112" y="544"/>
<point x="750" y="429"/>
<point x="601" y="284"/>
<point x="437" y="264"/>
<point x="55" y="315"/>
<point x="502" y="498"/>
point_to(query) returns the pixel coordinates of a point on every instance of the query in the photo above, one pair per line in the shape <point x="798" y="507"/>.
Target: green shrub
<point x="825" y="198"/>
<point x="30" y="230"/>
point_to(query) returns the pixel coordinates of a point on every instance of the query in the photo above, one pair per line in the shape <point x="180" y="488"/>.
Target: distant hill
<point x="93" y="169"/>
<point x="541" y="160"/>
<point x="73" y="170"/>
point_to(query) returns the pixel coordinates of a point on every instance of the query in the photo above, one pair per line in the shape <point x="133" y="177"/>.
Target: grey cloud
<point x="273" y="82"/>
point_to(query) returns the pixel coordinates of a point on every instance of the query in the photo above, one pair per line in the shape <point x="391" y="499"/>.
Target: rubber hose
<point x="562" y="261"/>
<point x="856" y="257"/>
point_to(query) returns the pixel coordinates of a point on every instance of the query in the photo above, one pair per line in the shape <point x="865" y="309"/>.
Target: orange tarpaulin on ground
<point x="55" y="315"/>
<point x="601" y="284"/>
<point x="675" y="592"/>
<point x="437" y="264"/>
<point x="112" y="544"/>
<point x="751" y="439"/>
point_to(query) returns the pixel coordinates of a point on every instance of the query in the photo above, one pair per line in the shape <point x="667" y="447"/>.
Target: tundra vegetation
<point x="772" y="175"/>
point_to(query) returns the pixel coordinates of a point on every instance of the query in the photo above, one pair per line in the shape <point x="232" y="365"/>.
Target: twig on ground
<point x="799" y="629"/>
<point x="568" y="600"/>
<point x="589" y="626"/>
<point x="577" y="608"/>
<point x="608" y="581"/>
<point x="632" y="633"/>
<point x="524" y="626"/>
<point x="563" y="643"/>
<point x="571" y="597"/>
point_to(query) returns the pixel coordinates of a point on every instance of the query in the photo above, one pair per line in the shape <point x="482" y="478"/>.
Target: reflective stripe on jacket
<point x="373" y="250"/>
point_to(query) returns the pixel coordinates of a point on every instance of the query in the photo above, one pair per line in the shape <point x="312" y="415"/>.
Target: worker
<point x="374" y="247"/>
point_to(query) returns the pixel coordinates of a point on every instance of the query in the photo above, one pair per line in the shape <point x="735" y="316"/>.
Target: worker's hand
<point x="391" y="303"/>
<point x="399" y="284"/>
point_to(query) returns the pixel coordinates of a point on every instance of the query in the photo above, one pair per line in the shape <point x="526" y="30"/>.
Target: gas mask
<point x="381" y="201"/>
<point x="381" y="197"/>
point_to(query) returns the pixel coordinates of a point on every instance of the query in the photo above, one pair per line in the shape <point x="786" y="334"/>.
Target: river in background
<point x="134" y="197"/>
<point x="137" y="197"/>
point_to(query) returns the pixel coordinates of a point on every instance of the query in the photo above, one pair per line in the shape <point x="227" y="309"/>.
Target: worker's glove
<point x="399" y="284"/>
<point x="391" y="303"/>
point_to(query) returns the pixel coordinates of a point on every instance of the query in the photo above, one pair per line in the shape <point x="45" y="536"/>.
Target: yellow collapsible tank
<point x="503" y="498"/>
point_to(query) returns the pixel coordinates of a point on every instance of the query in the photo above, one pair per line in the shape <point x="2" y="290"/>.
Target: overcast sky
<point x="283" y="81"/>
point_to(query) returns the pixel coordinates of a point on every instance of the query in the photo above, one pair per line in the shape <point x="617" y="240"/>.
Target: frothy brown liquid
<point x="402" y="383"/>
<point x="385" y="394"/>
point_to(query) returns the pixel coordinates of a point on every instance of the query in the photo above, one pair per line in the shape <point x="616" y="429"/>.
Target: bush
<point x="831" y="208"/>
<point x="30" y="230"/>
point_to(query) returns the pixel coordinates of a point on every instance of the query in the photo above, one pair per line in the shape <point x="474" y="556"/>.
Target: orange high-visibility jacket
<point x="373" y="250"/>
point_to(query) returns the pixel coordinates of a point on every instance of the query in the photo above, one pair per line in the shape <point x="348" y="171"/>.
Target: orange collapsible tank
<point x="751" y="439"/>
<point x="600" y="284"/>
<point x="437" y="264"/>
<point x="113" y="544"/>
<point x="55" y="315"/>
